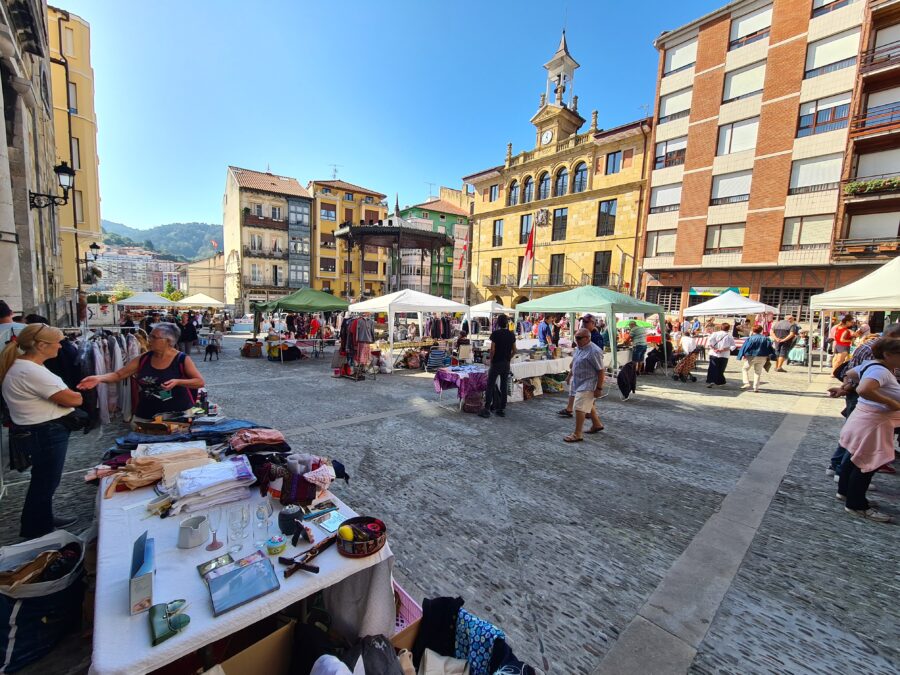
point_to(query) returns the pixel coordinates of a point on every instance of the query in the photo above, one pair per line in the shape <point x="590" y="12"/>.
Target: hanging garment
<point x="85" y="362"/>
<point x="627" y="379"/>
<point x="100" y="369"/>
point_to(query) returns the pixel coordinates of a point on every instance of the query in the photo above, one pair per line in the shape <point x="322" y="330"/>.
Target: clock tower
<point x="558" y="119"/>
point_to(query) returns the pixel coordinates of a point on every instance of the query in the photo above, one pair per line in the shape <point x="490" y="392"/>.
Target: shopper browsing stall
<point x="164" y="376"/>
<point x="503" y="348"/>
<point x="38" y="402"/>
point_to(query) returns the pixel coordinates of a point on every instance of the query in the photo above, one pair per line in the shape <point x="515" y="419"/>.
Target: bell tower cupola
<point x="561" y="76"/>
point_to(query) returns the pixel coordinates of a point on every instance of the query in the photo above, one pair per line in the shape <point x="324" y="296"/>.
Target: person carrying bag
<point x="41" y="411"/>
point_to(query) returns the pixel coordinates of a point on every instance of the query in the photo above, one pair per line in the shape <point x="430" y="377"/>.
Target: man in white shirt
<point x="719" y="345"/>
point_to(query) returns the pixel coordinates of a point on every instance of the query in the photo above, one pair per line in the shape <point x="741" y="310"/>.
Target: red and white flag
<point x="462" y="257"/>
<point x="525" y="274"/>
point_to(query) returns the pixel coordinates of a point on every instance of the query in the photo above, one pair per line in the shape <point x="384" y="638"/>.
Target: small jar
<point x="276" y="545"/>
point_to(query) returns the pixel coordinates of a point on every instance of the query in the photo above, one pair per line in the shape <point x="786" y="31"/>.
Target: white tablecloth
<point x="525" y="369"/>
<point x="122" y="643"/>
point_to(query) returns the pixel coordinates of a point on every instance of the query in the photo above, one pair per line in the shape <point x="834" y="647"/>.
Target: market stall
<point x="877" y="291"/>
<point x="306" y="300"/>
<point x="406" y="302"/>
<point x="729" y="304"/>
<point x="593" y="300"/>
<point x="200" y="300"/>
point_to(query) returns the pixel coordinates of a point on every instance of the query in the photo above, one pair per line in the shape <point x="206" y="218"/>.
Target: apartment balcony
<point x="805" y="254"/>
<point x="251" y="220"/>
<point x="722" y="257"/>
<point x="880" y="122"/>
<point x="658" y="262"/>
<point x="264" y="281"/>
<point x="536" y="280"/>
<point x="267" y="253"/>
<point x="866" y="249"/>
<point x="883" y="190"/>
<point x="880" y="61"/>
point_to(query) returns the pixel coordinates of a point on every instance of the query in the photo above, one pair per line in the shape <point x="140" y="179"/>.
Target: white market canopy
<point x="729" y="304"/>
<point x="408" y="301"/>
<point x="145" y="299"/>
<point x="486" y="309"/>
<point x="877" y="291"/>
<point x="200" y="300"/>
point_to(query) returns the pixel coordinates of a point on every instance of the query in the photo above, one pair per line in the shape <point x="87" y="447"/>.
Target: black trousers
<point x="494" y="399"/>
<point x="854" y="484"/>
<point x="715" y="374"/>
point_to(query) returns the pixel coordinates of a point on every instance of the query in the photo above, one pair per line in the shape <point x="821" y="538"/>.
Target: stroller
<point x="683" y="366"/>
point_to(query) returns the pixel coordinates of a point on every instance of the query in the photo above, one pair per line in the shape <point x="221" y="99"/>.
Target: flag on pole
<point x="465" y="249"/>
<point x="525" y="274"/>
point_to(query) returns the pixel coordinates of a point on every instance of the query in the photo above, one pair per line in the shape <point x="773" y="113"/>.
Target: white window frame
<point x="755" y="76"/>
<point x="725" y="142"/>
<point x="824" y="223"/>
<point x="653" y="241"/>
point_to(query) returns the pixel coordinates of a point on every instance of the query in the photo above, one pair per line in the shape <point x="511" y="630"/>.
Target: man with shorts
<point x="586" y="377"/>
<point x="638" y="345"/>
<point x="783" y="334"/>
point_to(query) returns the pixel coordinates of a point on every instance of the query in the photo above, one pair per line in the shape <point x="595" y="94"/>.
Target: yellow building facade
<point x="335" y="269"/>
<point x="582" y="192"/>
<point x="75" y="126"/>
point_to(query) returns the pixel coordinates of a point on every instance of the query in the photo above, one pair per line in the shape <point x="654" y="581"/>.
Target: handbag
<point x="768" y="365"/>
<point x="20" y="447"/>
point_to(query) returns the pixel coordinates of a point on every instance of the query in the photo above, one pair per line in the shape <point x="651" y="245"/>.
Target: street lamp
<point x="66" y="177"/>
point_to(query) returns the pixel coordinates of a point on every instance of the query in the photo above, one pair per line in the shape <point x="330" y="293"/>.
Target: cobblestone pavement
<point x="561" y="544"/>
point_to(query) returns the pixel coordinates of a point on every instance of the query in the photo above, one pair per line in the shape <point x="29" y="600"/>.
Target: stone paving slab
<point x="560" y="545"/>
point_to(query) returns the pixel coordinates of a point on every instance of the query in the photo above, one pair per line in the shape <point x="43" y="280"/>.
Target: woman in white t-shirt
<point x="868" y="434"/>
<point x="37" y="400"/>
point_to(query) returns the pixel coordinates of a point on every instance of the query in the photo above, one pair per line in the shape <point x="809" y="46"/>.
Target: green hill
<point x="190" y="241"/>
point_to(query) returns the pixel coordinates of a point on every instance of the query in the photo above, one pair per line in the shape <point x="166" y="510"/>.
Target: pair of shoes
<point x="870" y="514"/>
<point x="500" y="413"/>
<point x="829" y="472"/>
<point x="61" y="523"/>
<point x="746" y="386"/>
<point x="710" y="385"/>
<point x="755" y="390"/>
<point x="572" y="438"/>
<point x="603" y="395"/>
<point x="843" y="498"/>
<point x="780" y="370"/>
<point x="485" y="414"/>
<point x="626" y="398"/>
<point x="595" y="431"/>
<point x="564" y="413"/>
<point x="887" y="468"/>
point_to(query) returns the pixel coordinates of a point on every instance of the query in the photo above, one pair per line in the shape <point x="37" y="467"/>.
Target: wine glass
<point x="261" y="527"/>
<point x="215" y="519"/>
<point x="238" y="519"/>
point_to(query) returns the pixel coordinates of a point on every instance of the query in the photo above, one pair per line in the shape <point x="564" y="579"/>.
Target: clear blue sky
<point x="398" y="93"/>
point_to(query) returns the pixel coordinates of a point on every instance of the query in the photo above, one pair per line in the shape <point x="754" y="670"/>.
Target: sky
<point x="398" y="94"/>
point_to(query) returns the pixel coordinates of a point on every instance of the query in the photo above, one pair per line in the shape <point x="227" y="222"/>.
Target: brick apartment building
<point x="750" y="137"/>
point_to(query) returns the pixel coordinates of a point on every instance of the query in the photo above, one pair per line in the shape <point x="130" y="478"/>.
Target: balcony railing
<point x="830" y="7"/>
<point x="877" y="58"/>
<point x="674" y="116"/>
<point x="867" y="247"/>
<point x="733" y="199"/>
<point x="761" y="34"/>
<point x="876" y="120"/>
<point x="537" y="280"/>
<point x="674" y="158"/>
<point x="264" y="281"/>
<point x="607" y="279"/>
<point x="665" y="208"/>
<point x="807" y="189"/>
<point x="864" y="186"/>
<point x="804" y="247"/>
<point x="830" y="68"/>
<point x="252" y="220"/>
<point x="271" y="253"/>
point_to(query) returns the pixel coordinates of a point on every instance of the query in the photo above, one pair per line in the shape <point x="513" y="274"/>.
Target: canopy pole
<point x="613" y="343"/>
<point x="390" y="358"/>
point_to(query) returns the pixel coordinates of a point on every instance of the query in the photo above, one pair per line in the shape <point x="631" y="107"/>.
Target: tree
<point x="175" y="296"/>
<point x="170" y="288"/>
<point x="121" y="291"/>
<point x="149" y="245"/>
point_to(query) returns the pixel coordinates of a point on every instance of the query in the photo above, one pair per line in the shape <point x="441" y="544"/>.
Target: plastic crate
<point x="407" y="610"/>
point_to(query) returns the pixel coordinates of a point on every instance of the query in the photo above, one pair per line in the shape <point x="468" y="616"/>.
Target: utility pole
<point x="430" y="188"/>
<point x="334" y="170"/>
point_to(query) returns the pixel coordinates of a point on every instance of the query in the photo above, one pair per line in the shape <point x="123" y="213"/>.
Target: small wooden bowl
<point x="376" y="536"/>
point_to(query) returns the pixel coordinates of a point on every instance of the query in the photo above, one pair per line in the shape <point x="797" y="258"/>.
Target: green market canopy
<point x="594" y="300"/>
<point x="305" y="300"/>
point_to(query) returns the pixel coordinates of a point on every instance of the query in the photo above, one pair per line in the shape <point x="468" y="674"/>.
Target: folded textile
<point x="436" y="664"/>
<point x="437" y="630"/>
<point x="172" y="470"/>
<point x="212" y="434"/>
<point x="202" y="501"/>
<point x="253" y="437"/>
<point x="475" y="641"/>
<point x="233" y="471"/>
<point x="141" y="471"/>
<point x="150" y="449"/>
<point x="322" y="477"/>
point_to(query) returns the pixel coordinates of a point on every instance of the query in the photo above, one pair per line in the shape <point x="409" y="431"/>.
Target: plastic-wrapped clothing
<point x="102" y="388"/>
<point x="627" y="379"/>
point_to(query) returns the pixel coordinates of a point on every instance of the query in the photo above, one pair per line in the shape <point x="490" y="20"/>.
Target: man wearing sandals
<point x="586" y="376"/>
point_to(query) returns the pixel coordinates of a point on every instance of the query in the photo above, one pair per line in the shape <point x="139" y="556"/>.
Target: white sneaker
<point x="870" y="514"/>
<point x="837" y="479"/>
<point x="838" y="495"/>
<point x="829" y="472"/>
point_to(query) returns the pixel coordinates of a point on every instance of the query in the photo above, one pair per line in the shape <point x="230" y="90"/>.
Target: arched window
<point x="544" y="186"/>
<point x="513" y="194"/>
<point x="528" y="191"/>
<point x="580" y="183"/>
<point x="561" y="186"/>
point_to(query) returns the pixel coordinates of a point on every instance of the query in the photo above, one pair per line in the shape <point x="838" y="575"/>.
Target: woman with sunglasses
<point x="164" y="375"/>
<point x="37" y="401"/>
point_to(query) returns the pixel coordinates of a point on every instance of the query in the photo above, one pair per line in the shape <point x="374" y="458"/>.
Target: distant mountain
<point x="191" y="241"/>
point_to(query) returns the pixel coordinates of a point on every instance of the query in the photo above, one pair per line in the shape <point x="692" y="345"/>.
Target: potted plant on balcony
<point x="874" y="185"/>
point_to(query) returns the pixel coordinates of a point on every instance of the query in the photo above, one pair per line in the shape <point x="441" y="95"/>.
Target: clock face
<point x="547" y="136"/>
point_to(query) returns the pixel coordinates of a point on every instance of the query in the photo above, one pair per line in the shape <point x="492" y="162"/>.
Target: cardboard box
<point x="142" y="570"/>
<point x="406" y="638"/>
<point x="271" y="655"/>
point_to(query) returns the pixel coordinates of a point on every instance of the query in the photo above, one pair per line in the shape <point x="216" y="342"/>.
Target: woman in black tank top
<point x="164" y="375"/>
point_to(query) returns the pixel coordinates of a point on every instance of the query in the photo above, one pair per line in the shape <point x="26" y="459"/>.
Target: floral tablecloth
<point x="466" y="379"/>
